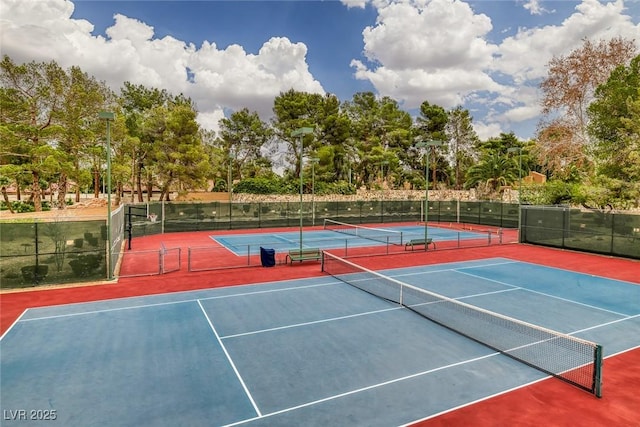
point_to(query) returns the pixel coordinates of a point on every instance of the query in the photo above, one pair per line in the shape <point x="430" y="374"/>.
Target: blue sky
<point x="487" y="56"/>
<point x="331" y="32"/>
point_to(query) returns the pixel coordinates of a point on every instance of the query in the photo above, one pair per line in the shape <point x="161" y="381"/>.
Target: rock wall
<point x="508" y="196"/>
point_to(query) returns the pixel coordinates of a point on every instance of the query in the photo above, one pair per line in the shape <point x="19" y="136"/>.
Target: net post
<point x="322" y="261"/>
<point x="597" y="371"/>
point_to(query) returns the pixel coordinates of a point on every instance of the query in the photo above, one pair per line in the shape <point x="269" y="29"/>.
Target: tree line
<point x="53" y="140"/>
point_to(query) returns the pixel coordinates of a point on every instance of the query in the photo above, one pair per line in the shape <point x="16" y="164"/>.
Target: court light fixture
<point x="108" y="117"/>
<point x="427" y="145"/>
<point x="301" y="132"/>
<point x="313" y="161"/>
<point x="519" y="151"/>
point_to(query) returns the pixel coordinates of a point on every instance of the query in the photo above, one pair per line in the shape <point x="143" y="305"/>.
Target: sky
<point x="486" y="56"/>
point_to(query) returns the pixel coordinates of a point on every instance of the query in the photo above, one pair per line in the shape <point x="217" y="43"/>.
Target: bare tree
<point x="567" y="92"/>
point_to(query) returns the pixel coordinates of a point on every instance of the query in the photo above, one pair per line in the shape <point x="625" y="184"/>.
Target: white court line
<point x="297" y="325"/>
<point x="605" y="324"/>
<point x="580" y="272"/>
<point x="338" y="396"/>
<point x="233" y="365"/>
<point x="547" y="295"/>
<point x="169" y="302"/>
<point x="443" y="270"/>
<point x="334" y="282"/>
<point x="223" y="245"/>
<point x="106" y="310"/>
<point x="455" y="408"/>
<point x="268" y="291"/>
<point x="486" y="293"/>
<point x="359" y="390"/>
<point x="13" y="324"/>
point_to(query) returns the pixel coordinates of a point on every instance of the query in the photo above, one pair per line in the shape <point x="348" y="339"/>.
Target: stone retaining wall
<point x="509" y="196"/>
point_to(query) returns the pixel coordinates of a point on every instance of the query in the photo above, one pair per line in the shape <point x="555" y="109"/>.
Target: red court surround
<point x="549" y="403"/>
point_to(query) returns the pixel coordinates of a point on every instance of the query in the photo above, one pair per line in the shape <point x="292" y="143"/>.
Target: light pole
<point x="313" y="161"/>
<point x="230" y="178"/>
<point x="519" y="151"/>
<point x="382" y="178"/>
<point x="108" y="117"/>
<point x="427" y="145"/>
<point x="301" y="132"/>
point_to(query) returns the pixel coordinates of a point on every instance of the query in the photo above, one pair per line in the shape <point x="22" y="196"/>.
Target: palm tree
<point x="494" y="170"/>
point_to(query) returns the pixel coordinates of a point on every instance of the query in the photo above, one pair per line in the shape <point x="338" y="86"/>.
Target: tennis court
<point x="337" y="235"/>
<point x="313" y="351"/>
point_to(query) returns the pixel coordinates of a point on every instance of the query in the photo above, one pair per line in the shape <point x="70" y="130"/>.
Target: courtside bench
<point x="305" y="254"/>
<point x="419" y="242"/>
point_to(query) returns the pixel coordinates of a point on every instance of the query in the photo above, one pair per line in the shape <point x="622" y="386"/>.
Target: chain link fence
<point x="57" y="252"/>
<point x="38" y="253"/>
<point x="596" y="231"/>
<point x="184" y="216"/>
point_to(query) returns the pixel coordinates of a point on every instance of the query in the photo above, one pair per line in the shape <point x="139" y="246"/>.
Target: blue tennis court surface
<point x="301" y="352"/>
<point x="325" y="239"/>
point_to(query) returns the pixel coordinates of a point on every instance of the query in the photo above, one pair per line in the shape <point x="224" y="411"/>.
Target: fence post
<point x="35" y="276"/>
<point x="613" y="220"/>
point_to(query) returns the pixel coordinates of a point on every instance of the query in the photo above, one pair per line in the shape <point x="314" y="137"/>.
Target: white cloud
<point x="434" y="50"/>
<point x="428" y="50"/>
<point x="522" y="113"/>
<point x="411" y="35"/>
<point x="36" y="30"/>
<point x="525" y="56"/>
<point x="437" y="50"/>
<point x="354" y="3"/>
<point x="210" y="119"/>
<point x="535" y="7"/>
<point x="486" y="131"/>
<point x="447" y="87"/>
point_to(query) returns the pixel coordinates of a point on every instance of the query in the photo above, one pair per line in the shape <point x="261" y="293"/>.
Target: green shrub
<point x="258" y="186"/>
<point x="22" y="207"/>
<point x="339" y="187"/>
<point x="220" y="185"/>
<point x="85" y="265"/>
<point x="34" y="273"/>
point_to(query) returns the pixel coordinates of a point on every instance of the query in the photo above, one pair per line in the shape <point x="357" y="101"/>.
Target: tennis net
<point x="576" y="361"/>
<point x="378" y="234"/>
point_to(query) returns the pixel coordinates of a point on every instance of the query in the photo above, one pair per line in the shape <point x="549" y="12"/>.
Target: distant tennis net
<point x="378" y="234"/>
<point x="571" y="359"/>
